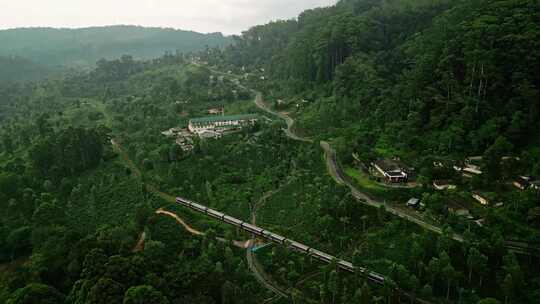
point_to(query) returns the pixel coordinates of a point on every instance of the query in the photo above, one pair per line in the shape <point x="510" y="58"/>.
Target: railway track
<point x="276" y="238"/>
<point x="371" y="276"/>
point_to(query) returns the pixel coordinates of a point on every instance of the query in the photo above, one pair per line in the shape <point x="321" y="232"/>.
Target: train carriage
<point x="231" y="220"/>
<point x="377" y="278"/>
<point x="215" y="214"/>
<point x="183" y="201"/>
<point x="252" y="229"/>
<point x="277" y="238"/>
<point x="200" y="208"/>
<point x="299" y="247"/>
<point x="321" y="255"/>
<point x="348" y="266"/>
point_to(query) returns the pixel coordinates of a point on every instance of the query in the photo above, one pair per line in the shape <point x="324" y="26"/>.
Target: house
<point x="208" y="134"/>
<point x="481" y="198"/>
<point x="413" y="202"/>
<point x="216" y="111"/>
<point x="443" y="185"/>
<point x="391" y="170"/>
<point x="214" y="123"/>
<point x="173" y="132"/>
<point x="470" y="167"/>
<point x="460" y="212"/>
<point x="480" y="222"/>
<point x="527" y="182"/>
<point x="523" y="182"/>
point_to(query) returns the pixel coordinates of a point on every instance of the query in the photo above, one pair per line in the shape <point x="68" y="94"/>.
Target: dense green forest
<point x="83" y="47"/>
<point x="87" y="177"/>
<point x="445" y="77"/>
<point x="13" y="69"/>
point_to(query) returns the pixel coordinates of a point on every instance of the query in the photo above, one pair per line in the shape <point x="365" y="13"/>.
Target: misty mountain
<point x="83" y="47"/>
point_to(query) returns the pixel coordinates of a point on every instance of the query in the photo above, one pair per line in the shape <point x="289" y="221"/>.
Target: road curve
<point x="288" y="120"/>
<point x="335" y="171"/>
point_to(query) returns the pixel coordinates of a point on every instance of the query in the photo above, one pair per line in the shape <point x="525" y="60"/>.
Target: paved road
<point x="335" y="171"/>
<point x="337" y="174"/>
<point x="288" y="120"/>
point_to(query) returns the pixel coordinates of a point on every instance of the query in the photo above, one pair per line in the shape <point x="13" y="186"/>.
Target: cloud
<point x="228" y="16"/>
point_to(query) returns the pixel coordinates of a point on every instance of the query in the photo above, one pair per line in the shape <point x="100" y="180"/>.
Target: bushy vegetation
<point x="84" y="165"/>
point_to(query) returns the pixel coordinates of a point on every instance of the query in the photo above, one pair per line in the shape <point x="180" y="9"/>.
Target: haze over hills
<point x="50" y="47"/>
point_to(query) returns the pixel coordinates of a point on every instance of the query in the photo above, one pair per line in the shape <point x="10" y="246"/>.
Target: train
<point x="276" y="238"/>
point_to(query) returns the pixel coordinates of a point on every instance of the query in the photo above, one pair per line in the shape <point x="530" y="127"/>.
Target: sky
<point x="226" y="16"/>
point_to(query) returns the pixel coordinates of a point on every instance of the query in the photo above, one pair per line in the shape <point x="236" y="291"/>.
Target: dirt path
<point x="140" y="243"/>
<point x="239" y="244"/>
<point x="118" y="149"/>
<point x="165" y="196"/>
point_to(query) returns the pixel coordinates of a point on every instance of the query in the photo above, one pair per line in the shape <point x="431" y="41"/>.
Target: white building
<point x="221" y="123"/>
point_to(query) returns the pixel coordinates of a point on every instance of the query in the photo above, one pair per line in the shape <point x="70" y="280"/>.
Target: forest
<point x="28" y="54"/>
<point x="88" y="178"/>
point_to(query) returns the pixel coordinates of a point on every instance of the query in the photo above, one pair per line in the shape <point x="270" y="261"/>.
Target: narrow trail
<point x="254" y="265"/>
<point x="167" y="197"/>
<point x="140" y="243"/>
<point x="179" y="220"/>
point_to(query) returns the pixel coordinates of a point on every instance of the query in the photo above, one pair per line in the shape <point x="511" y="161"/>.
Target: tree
<point x="18" y="241"/>
<point x="142" y="214"/>
<point x="94" y="264"/>
<point x="489" y="301"/>
<point x="144" y="294"/>
<point x="106" y="291"/>
<point x="493" y="156"/>
<point x="36" y="293"/>
<point x="508" y="288"/>
<point x="477" y="262"/>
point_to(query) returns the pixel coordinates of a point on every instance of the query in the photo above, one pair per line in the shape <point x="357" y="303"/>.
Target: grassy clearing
<point x="363" y="180"/>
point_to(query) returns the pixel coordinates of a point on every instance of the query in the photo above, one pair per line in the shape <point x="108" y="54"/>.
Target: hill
<point x="20" y="69"/>
<point x="85" y="46"/>
<point x="431" y="77"/>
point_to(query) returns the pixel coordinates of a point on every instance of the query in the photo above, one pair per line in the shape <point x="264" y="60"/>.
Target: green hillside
<point x="14" y="69"/>
<point x="53" y="47"/>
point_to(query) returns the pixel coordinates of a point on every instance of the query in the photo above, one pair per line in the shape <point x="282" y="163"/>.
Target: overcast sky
<point x="227" y="16"/>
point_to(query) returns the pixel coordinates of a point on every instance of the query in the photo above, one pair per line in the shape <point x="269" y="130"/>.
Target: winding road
<point x="337" y="174"/>
<point x="288" y="120"/>
<point x="335" y="171"/>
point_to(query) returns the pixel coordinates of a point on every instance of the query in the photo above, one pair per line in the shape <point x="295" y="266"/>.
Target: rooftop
<point x="388" y="165"/>
<point x="210" y="119"/>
